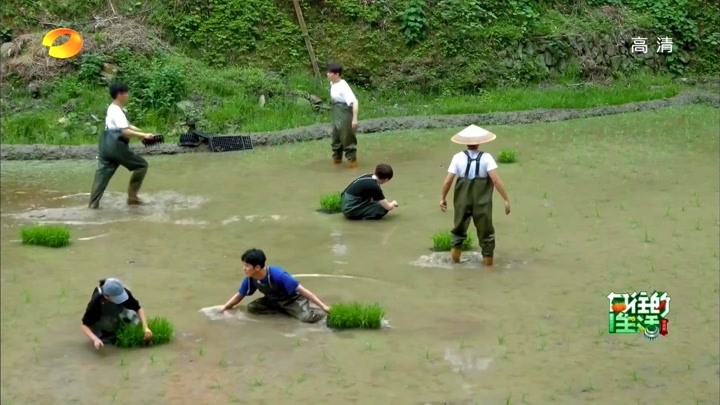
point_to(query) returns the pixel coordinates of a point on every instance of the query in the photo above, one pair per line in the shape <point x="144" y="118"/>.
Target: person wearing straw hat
<point x="476" y="174"/>
<point x="110" y="305"/>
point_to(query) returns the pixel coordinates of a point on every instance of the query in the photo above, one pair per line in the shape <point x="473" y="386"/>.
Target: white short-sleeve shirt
<point x="115" y="118"/>
<point x="459" y="162"/>
<point x="341" y="92"/>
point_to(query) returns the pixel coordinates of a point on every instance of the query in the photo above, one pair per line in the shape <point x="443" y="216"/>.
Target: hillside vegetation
<point x="243" y="65"/>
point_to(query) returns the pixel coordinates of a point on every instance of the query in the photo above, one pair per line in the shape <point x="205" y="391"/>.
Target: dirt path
<point x="377" y="125"/>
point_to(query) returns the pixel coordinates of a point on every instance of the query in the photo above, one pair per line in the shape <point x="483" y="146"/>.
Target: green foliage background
<point x="234" y="50"/>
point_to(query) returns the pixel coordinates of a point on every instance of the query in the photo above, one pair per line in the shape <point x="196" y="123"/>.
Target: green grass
<point x="330" y="203"/>
<point x="235" y="105"/>
<point x="355" y="316"/>
<point x="507" y="156"/>
<point x="46" y="235"/>
<point x="132" y="335"/>
<point x="442" y="242"/>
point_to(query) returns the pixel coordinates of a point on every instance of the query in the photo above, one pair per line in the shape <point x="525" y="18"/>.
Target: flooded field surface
<point x="614" y="204"/>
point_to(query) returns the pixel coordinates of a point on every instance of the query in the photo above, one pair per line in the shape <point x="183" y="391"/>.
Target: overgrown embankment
<point x="48" y="152"/>
<point x="243" y="65"/>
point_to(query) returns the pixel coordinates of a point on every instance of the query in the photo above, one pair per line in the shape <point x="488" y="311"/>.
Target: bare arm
<point x="143" y="318"/>
<point x="355" y="110"/>
<point x="500" y="188"/>
<point x="134" y="133"/>
<point x="388" y="205"/>
<point x="498" y="184"/>
<point x="446" y="186"/>
<point x="312" y="298"/>
<point x="234" y="300"/>
<point x="86" y="330"/>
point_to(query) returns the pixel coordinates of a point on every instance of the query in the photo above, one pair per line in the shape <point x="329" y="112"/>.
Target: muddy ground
<point x="377" y="125"/>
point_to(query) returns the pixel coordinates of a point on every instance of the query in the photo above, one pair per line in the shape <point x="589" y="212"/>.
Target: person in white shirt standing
<point x="344" y="117"/>
<point x="114" y="150"/>
<point x="477" y="177"/>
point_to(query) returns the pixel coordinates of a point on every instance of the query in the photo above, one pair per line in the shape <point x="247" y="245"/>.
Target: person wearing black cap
<point x="110" y="304"/>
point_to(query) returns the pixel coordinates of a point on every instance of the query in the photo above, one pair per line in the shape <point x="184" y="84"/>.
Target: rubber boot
<point x="133" y="195"/>
<point x="337" y="161"/>
<point x="488" y="261"/>
<point x="353" y="164"/>
<point x="455" y="254"/>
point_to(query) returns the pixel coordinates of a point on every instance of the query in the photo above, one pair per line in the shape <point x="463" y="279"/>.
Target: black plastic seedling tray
<point x="201" y="135"/>
<point x="189" y="139"/>
<point x="155" y="140"/>
<point x="230" y="143"/>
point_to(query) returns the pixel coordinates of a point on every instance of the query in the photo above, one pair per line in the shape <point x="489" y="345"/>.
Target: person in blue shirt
<point x="282" y="293"/>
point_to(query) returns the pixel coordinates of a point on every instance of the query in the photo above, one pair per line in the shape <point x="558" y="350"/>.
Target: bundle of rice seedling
<point x="45" y="235"/>
<point x="330" y="203"/>
<point x="133" y="335"/>
<point x="442" y="242"/>
<point x="355" y="316"/>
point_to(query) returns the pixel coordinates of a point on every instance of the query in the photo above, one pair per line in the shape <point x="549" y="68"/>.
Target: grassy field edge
<point x="376" y="125"/>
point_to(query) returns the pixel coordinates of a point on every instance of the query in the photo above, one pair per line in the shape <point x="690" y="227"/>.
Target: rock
<point x="301" y="101"/>
<point x="6" y="50"/>
<point x="261" y="101"/>
<point x="184" y="106"/>
<point x="34" y="90"/>
<point x="684" y="57"/>
<point x="549" y="59"/>
<point x="611" y="49"/>
<point x="315" y="99"/>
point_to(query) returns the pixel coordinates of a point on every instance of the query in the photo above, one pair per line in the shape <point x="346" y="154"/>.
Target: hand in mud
<point x="326" y="309"/>
<point x="354" y="124"/>
<point x="98" y="343"/>
<point x="148" y="335"/>
<point x="507" y="207"/>
<point x="443" y="205"/>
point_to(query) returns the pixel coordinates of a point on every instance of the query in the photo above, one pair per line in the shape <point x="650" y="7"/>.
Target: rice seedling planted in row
<point x="442" y="242"/>
<point x="355" y="315"/>
<point x="132" y="335"/>
<point x="45" y="235"/>
<point x="330" y="203"/>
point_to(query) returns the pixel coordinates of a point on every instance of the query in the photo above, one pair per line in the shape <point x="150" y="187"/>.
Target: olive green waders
<point x="473" y="200"/>
<point x="343" y="134"/>
<point x="357" y="208"/>
<point x="277" y="300"/>
<point x="113" y="151"/>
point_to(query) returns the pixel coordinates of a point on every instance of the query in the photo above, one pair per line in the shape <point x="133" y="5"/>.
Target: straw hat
<point x="473" y="135"/>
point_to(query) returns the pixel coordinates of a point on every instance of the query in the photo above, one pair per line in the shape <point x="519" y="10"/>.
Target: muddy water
<point x="621" y="203"/>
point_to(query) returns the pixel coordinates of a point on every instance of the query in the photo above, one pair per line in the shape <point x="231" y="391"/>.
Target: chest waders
<point x="111" y="318"/>
<point x="356" y="208"/>
<point x="276" y="299"/>
<point x="114" y="151"/>
<point x="473" y="200"/>
<point x="343" y="134"/>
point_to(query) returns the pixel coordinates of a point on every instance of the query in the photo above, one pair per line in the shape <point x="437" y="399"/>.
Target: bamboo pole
<point x="306" y="36"/>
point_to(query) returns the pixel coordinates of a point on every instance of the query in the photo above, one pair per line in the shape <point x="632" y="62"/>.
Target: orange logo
<point x="72" y="47"/>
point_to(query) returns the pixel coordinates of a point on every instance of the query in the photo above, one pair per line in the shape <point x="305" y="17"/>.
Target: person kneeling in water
<point x="282" y="292"/>
<point x="364" y="199"/>
<point x="110" y="305"/>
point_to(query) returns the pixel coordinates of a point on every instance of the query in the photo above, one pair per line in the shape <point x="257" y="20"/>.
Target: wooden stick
<point x="306" y="36"/>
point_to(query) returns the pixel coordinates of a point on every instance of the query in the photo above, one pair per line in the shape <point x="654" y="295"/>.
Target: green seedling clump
<point x="508" y="156"/>
<point x="132" y="335"/>
<point x="45" y="235"/>
<point x="355" y="316"/>
<point x="442" y="242"/>
<point x="330" y="203"/>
